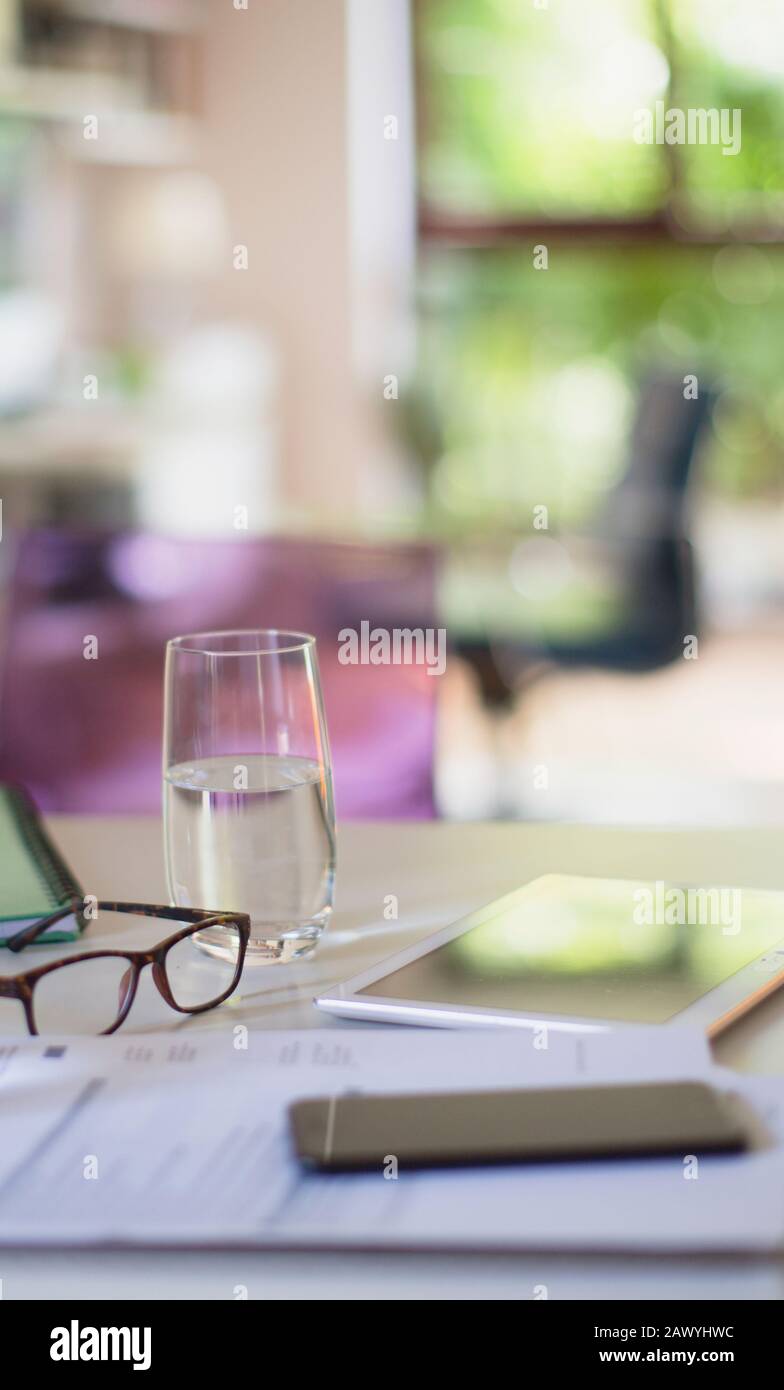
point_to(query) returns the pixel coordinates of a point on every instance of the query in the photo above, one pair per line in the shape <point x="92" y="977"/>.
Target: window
<point x="658" y="255"/>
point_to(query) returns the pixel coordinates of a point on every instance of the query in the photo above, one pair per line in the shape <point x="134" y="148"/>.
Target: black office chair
<point x="641" y="538"/>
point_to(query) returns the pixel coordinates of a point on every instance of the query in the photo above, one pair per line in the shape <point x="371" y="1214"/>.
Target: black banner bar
<point x="177" y="1340"/>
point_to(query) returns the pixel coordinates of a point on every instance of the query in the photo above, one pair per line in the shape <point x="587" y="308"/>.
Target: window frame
<point x="438" y="228"/>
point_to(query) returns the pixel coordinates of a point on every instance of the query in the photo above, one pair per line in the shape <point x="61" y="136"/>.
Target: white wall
<point x="275" y="112"/>
<point x="295" y="96"/>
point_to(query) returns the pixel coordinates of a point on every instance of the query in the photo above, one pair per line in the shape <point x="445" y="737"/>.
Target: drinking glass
<point x="249" y="820"/>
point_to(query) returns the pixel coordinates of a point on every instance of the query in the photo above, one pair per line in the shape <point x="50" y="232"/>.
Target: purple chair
<point x="85" y="735"/>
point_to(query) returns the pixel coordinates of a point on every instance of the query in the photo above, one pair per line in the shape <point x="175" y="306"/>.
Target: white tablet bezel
<point x="713" y="1012"/>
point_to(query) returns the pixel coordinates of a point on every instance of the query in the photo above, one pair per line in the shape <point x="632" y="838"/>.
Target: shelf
<point x="137" y="139"/>
<point x="129" y="134"/>
<point x="149" y="16"/>
<point x="54" y="94"/>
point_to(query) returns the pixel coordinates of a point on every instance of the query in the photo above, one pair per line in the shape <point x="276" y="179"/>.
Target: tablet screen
<point x="595" y="948"/>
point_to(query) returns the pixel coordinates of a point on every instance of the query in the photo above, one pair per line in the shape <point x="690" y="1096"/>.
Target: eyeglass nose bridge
<point x="162" y="980"/>
<point x="129" y="982"/>
<point x="10" y="989"/>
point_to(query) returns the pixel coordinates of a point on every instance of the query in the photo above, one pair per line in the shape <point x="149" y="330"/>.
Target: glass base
<point x="271" y="943"/>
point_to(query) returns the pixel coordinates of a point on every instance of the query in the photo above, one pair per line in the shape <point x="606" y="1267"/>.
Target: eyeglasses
<point x="93" y="992"/>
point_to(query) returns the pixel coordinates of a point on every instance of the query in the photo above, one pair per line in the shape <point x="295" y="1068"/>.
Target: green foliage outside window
<point x="526" y="378"/>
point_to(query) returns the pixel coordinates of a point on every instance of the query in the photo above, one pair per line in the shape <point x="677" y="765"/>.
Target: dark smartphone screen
<point x="482" y="1127"/>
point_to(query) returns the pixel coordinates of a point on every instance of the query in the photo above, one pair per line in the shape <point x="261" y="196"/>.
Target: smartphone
<point x="357" y="1131"/>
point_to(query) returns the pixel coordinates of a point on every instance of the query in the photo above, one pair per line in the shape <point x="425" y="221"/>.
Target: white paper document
<point x="183" y="1141"/>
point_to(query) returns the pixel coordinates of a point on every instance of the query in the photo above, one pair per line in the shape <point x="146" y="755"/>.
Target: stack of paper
<point x="183" y="1140"/>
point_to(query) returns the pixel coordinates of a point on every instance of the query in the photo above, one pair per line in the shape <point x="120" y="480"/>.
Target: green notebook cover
<point x="34" y="878"/>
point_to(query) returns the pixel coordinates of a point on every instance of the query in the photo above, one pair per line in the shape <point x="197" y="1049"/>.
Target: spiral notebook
<point x="34" y="878"/>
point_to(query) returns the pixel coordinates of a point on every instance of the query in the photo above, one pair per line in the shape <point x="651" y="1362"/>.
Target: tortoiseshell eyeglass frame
<point x="22" y="986"/>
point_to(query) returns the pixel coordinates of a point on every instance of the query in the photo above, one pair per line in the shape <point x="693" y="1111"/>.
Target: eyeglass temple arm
<point x="29" y="934"/>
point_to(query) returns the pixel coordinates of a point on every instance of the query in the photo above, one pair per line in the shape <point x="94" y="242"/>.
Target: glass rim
<point x="199" y="643"/>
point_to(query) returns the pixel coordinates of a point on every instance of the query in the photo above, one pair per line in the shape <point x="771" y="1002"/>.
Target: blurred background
<point x="318" y="311"/>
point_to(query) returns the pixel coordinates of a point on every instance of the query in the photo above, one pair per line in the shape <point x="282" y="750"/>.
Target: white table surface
<point x="437" y="873"/>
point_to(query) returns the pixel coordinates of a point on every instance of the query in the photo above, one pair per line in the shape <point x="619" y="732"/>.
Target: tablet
<point x="583" y="954"/>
